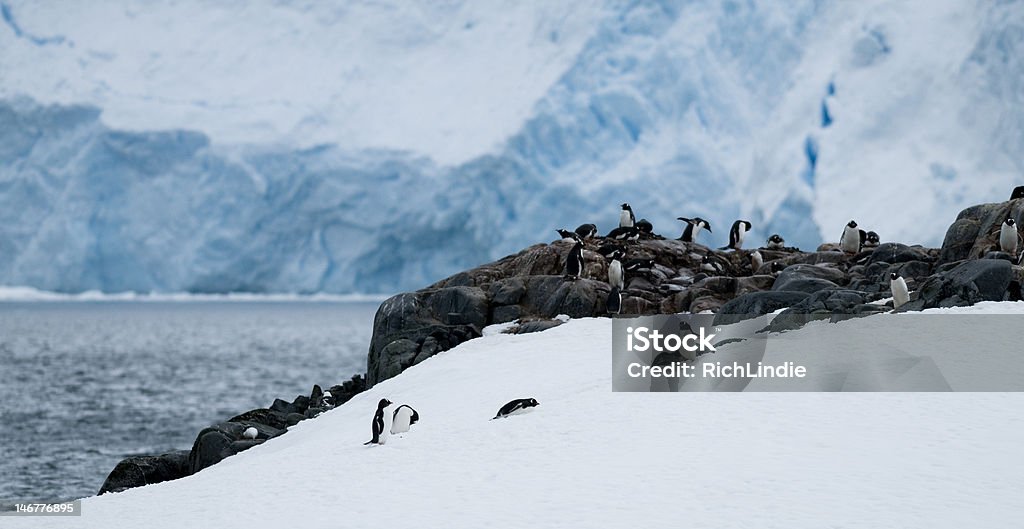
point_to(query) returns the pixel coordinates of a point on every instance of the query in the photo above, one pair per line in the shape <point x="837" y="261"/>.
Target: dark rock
<point x="968" y="283"/>
<point x="214" y="442"/>
<point x="145" y="470"/>
<point x="894" y="253"/>
<point x="274" y="419"/>
<point x="1000" y="255"/>
<point x="537" y="326"/>
<point x="506" y="313"/>
<point x="976" y="230"/>
<point x="756" y="304"/>
<point x="285" y="407"/>
<point x="803" y="284"/>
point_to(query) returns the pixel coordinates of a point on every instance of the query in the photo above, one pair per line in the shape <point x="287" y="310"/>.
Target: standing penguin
<point x="614" y="304"/>
<point x="516" y="406"/>
<point x="775" y="242"/>
<point x="379" y="435"/>
<point x="626" y="218"/>
<point x="587" y="230"/>
<point x="737" y="233"/>
<point x="1008" y="237"/>
<point x="403" y="418"/>
<point x="852" y="238"/>
<point x="615" y="276"/>
<point x="756" y="262"/>
<point x="900" y="294"/>
<point x="574" y="262"/>
<point x="693" y="227"/>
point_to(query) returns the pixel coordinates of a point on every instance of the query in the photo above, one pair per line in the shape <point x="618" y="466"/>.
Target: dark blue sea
<point x="86" y="384"/>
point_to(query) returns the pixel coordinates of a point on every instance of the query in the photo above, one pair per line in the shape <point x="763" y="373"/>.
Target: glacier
<point x="286" y="148"/>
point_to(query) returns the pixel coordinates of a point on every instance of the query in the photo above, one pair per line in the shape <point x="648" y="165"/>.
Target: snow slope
<point x="377" y="146"/>
<point x="588" y="457"/>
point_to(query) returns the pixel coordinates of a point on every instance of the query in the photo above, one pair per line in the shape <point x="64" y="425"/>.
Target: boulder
<point x="756" y="304"/>
<point x="138" y="471"/>
<point x="968" y="283"/>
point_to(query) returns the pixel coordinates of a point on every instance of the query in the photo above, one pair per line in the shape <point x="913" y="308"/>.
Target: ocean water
<point x="86" y="384"/>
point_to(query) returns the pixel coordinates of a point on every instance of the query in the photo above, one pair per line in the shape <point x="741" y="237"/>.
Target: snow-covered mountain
<point x="376" y="146"/>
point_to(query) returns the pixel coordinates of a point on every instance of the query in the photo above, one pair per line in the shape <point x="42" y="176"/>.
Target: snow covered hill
<point x="377" y="146"/>
<point x="587" y="457"/>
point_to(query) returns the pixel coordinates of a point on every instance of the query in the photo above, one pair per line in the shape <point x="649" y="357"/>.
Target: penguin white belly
<point x="615" y="274"/>
<point x="402" y="420"/>
<point x="900" y="294"/>
<point x="739" y="237"/>
<point x="1008" y="239"/>
<point x="850" y="242"/>
<point x="625" y="220"/>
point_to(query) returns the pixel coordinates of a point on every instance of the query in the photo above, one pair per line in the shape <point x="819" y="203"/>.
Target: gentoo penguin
<point x="693" y="227"/>
<point x="569" y="236"/>
<point x="587" y="230"/>
<point x="615" y="275"/>
<point x="645" y="226"/>
<point x="756" y="261"/>
<point x="711" y="265"/>
<point x="378" y="423"/>
<point x="852" y="238"/>
<point x="635" y="265"/>
<point x="250" y="433"/>
<point x="516" y="406"/>
<point x="608" y="249"/>
<point x="327" y="400"/>
<point x="614" y="304"/>
<point x="626" y="218"/>
<point x="775" y="242"/>
<point x="871" y="240"/>
<point x="1008" y="237"/>
<point x="403" y="418"/>
<point x="628" y="233"/>
<point x="574" y="262"/>
<point x="900" y="294"/>
<point x="736" y="233"/>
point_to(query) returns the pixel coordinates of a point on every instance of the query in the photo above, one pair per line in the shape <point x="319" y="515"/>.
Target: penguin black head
<point x="1010" y="222"/>
<point x="777" y="267"/>
<point x="384" y="403"/>
<point x="697" y="221"/>
<point x="625" y="206"/>
<point x="852" y="224"/>
<point x="776" y="239"/>
<point x="533" y="402"/>
<point x="894" y="276"/>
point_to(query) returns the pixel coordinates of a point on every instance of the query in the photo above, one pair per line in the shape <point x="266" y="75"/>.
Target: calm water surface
<point x="85" y="384"/>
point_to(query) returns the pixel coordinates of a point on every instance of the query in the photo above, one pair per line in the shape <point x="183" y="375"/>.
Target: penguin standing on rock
<point x="756" y="262"/>
<point x="900" y="294"/>
<point x="852" y="238"/>
<point x="574" y="262"/>
<point x="1008" y="237"/>
<point x="693" y="227"/>
<point x="614" y="304"/>
<point x="775" y="242"/>
<point x="587" y="231"/>
<point x="737" y="233"/>
<point x="379" y="435"/>
<point x="615" y="275"/>
<point x="626" y="218"/>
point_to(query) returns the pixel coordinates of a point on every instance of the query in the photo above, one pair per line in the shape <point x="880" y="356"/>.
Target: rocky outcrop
<point x="225" y="439"/>
<point x="976" y="230"/>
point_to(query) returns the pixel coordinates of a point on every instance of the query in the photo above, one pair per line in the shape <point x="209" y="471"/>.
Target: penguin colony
<point x="853" y="240"/>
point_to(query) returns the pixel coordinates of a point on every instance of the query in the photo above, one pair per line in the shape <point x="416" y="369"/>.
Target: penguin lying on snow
<point x="379" y="435"/>
<point x="516" y="406"/>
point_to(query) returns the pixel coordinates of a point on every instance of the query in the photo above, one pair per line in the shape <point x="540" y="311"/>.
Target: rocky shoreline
<point x="529" y="287"/>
